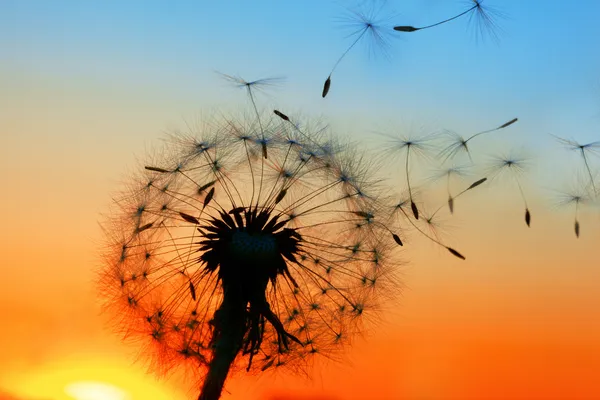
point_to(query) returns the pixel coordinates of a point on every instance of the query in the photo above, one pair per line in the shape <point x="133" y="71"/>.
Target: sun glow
<point x="96" y="379"/>
<point x="95" y="391"/>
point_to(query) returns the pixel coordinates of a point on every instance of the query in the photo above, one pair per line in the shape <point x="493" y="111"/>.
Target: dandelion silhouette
<point x="220" y="259"/>
<point x="583" y="150"/>
<point x="459" y="144"/>
<point x="363" y="25"/>
<point x="515" y="167"/>
<point x="483" y="16"/>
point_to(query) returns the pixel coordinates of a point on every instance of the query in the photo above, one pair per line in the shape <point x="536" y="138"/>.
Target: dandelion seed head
<point x="293" y="248"/>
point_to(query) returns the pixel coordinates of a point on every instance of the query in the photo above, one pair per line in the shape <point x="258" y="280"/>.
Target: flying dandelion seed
<point x="575" y="197"/>
<point x="364" y="25"/>
<point x="459" y="144"/>
<point x="448" y="174"/>
<point x="451" y="198"/>
<point x="484" y="17"/>
<point x="400" y="211"/>
<point x="584" y="150"/>
<point x="515" y="167"/>
<point x="219" y="259"/>
<point x="419" y="147"/>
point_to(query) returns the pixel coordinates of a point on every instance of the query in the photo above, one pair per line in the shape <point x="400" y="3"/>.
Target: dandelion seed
<point x="209" y="197"/>
<point x="451" y="199"/>
<point x="205" y="186"/>
<point x="483" y="16"/>
<point x="365" y="25"/>
<point x="418" y="147"/>
<point x="281" y="115"/>
<point x="399" y="208"/>
<point x="155" y="169"/>
<point x="458" y="143"/>
<point x="448" y="174"/>
<point x="477" y="183"/>
<point x="258" y="84"/>
<point x="577" y="197"/>
<point x="397" y="239"/>
<point x="455" y="253"/>
<point x="584" y="150"/>
<point x="515" y="167"/>
<point x="144" y="227"/>
<point x="192" y="291"/>
<point x="189" y="218"/>
<point x="326" y="86"/>
<point x="255" y="263"/>
<point x="451" y="204"/>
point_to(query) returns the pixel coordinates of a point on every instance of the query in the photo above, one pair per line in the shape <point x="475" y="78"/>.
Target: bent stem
<point x="229" y="329"/>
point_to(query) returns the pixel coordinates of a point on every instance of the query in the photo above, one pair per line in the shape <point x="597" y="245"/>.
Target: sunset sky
<point x="88" y="87"/>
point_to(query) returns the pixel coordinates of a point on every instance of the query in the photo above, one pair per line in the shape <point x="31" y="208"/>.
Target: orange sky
<point x="518" y="319"/>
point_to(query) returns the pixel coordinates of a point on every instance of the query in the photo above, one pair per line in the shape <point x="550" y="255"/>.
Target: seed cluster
<point x="279" y="224"/>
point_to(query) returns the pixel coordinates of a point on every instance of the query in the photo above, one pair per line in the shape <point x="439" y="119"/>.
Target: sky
<point x="86" y="87"/>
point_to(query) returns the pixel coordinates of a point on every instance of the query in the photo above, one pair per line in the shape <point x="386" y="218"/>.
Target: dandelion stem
<point x="228" y="336"/>
<point x="365" y="29"/>
<point x="450" y="19"/>
<point x="587" y="166"/>
<point x="413" y="206"/>
<point x="527" y="212"/>
<point x="262" y="131"/>
<point x="450" y="249"/>
<point x="412" y="29"/>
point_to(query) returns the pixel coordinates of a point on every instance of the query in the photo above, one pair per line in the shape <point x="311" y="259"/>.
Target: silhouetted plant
<point x="220" y="257"/>
<point x="255" y="243"/>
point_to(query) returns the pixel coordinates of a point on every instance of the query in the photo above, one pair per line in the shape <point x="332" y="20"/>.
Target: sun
<point x="90" y="390"/>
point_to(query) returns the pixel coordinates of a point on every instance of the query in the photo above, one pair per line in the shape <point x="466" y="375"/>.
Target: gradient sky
<point x="85" y="87"/>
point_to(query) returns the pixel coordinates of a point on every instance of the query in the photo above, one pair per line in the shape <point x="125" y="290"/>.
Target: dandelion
<point x="220" y="259"/>
<point x="584" y="150"/>
<point x="515" y="167"/>
<point x="459" y="144"/>
<point x="484" y="18"/>
<point x="363" y="25"/>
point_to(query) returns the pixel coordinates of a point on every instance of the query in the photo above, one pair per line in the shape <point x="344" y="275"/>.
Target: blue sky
<point x="160" y="58"/>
